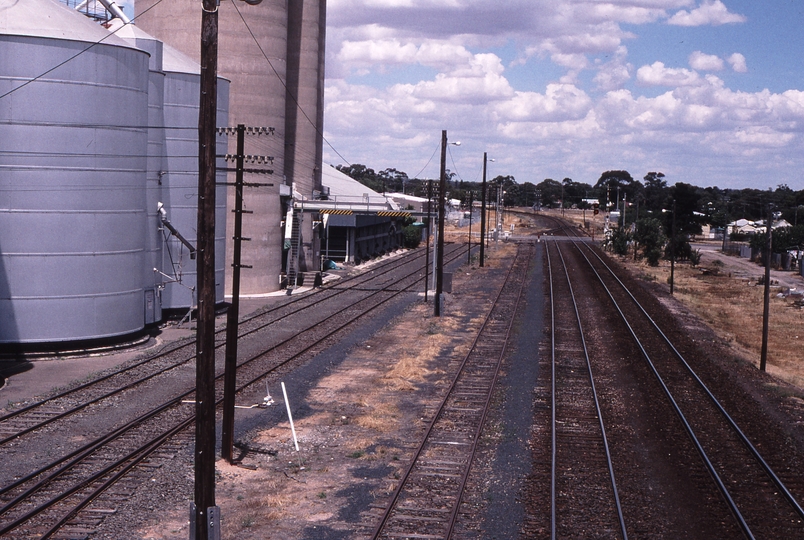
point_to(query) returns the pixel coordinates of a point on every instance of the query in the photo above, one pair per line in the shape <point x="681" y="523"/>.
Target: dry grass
<point x="734" y="309"/>
<point x="382" y="418"/>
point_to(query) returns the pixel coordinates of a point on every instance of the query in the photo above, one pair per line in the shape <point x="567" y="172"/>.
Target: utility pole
<point x="625" y="205"/>
<point x="469" y="250"/>
<point x="483" y="214"/>
<point x="233" y="313"/>
<point x="442" y="188"/>
<point x="673" y="249"/>
<point x="763" y="360"/>
<point x="497" y="223"/>
<point x="204" y="514"/>
<point x="427" y="246"/>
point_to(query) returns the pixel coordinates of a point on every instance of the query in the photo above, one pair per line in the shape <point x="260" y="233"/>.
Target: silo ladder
<point x="295" y="242"/>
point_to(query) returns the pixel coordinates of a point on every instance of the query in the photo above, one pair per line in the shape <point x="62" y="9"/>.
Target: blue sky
<point x="710" y="92"/>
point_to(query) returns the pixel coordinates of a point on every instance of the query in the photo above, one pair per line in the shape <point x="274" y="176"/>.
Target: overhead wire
<point x="453" y="164"/>
<point x="428" y="161"/>
<point x="76" y="55"/>
<point x="284" y="85"/>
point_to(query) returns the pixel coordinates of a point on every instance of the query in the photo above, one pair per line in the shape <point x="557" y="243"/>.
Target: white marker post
<point x="292" y="428"/>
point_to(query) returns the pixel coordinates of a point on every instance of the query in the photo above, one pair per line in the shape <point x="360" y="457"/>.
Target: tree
<point x="655" y="192"/>
<point x="411" y="235"/>
<point x="685" y="201"/>
<point x="551" y="192"/>
<point x="362" y="174"/>
<point x="393" y="179"/>
<point x="619" y="240"/>
<point x="614" y="183"/>
<point x="650" y="239"/>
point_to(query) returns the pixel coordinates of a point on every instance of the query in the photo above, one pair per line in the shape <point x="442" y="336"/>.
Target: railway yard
<point x="557" y="396"/>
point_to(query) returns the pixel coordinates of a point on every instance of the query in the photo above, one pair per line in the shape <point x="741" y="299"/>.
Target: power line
<point x="76" y="55"/>
<point x="428" y="161"/>
<point x="284" y="85"/>
<point x="452" y="158"/>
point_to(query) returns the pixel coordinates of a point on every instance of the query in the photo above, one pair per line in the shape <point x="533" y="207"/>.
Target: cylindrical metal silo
<point x="72" y="177"/>
<point x="257" y="71"/>
<point x="156" y="165"/>
<point x="180" y="182"/>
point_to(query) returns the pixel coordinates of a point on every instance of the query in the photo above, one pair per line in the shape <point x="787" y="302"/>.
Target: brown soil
<point x="365" y="416"/>
<point x="724" y="291"/>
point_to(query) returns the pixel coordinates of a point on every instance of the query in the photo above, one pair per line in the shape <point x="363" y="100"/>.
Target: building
<point x="273" y="54"/>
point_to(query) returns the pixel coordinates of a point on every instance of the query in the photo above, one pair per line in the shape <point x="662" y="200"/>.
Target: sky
<point x="708" y="92"/>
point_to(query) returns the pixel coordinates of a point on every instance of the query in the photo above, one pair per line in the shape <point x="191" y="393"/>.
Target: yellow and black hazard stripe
<point x="394" y="214"/>
<point x="337" y="212"/>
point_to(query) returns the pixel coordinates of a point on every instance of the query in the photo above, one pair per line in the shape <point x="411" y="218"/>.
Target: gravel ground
<point x="358" y="408"/>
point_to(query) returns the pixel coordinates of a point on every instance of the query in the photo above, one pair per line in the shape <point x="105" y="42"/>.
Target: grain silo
<point x="256" y="59"/>
<point x="304" y="108"/>
<point x="156" y="164"/>
<point x="72" y="177"/>
<point x="180" y="182"/>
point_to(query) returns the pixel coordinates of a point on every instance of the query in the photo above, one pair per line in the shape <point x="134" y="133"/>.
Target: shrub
<point x="412" y="235"/>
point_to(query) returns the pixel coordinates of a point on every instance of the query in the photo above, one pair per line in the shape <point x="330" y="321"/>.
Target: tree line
<point x="652" y="198"/>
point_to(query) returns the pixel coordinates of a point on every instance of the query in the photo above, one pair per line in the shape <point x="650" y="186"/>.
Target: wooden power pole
<point x="442" y="214"/>
<point x="204" y="515"/>
<point x="483" y="214"/>
<point x="763" y="360"/>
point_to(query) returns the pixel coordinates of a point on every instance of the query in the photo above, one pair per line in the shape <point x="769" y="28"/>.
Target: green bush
<point x="412" y="236"/>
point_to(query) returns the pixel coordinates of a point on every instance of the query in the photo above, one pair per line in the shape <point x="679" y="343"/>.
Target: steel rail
<point x="487" y="405"/>
<point x="553" y="443"/>
<point x="732" y="423"/>
<point x="87" y="450"/>
<point x="105" y="439"/>
<point x="429" y="430"/>
<point x="186" y="345"/>
<point x="698" y="446"/>
<point x="598" y="410"/>
<point x="190" y="342"/>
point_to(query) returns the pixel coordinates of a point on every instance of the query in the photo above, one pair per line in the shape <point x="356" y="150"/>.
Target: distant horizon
<point x="709" y="92"/>
<point x="640" y="178"/>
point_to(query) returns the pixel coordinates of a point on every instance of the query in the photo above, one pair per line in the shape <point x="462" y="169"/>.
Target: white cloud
<point x="560" y="102"/>
<point x="464" y="66"/>
<point x="657" y="74"/>
<point x="705" y="62"/>
<point x="708" y="13"/>
<point x="613" y="74"/>
<point x="737" y="63"/>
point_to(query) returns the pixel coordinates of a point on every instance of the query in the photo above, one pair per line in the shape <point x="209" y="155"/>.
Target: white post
<point x="290" y="417"/>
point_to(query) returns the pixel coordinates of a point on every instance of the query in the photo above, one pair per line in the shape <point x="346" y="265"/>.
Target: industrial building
<point x="273" y="54"/>
<point x="98" y="155"/>
<point x="99" y="134"/>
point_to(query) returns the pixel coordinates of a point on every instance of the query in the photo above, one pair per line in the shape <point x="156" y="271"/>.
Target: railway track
<point x="756" y="496"/>
<point x="36" y="415"/>
<point x="427" y="500"/>
<point x="583" y="488"/>
<point x="46" y="497"/>
<point x="684" y="466"/>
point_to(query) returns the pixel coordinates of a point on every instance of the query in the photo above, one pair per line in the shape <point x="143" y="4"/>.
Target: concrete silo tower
<point x="275" y="65"/>
<point x="304" y="106"/>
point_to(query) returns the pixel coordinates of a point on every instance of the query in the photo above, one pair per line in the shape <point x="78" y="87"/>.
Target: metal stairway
<point x="295" y="244"/>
